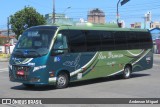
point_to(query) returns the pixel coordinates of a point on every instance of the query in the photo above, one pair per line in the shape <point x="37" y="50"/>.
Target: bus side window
<point x="93" y="40"/>
<point x="60" y="45"/>
<point x="146" y="40"/>
<point x="132" y="40"/>
<point x="77" y="41"/>
<point x="107" y="41"/>
<point x="120" y="38"/>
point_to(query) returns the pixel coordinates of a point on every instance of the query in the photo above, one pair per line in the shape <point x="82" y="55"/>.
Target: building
<point x="154" y="25"/>
<point x="156" y="39"/>
<point x="123" y="25"/>
<point x="136" y="25"/>
<point x="59" y="19"/>
<point x="96" y="16"/>
<point x="7" y="44"/>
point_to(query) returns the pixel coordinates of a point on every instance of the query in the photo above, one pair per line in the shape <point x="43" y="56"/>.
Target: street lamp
<point x="66" y="9"/>
<point x="122" y="3"/>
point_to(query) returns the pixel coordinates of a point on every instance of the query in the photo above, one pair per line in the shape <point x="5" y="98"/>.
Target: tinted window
<point x="145" y="40"/>
<point x="132" y="40"/>
<point x="83" y="40"/>
<point x="77" y="41"/>
<point x="107" y="40"/>
<point x="120" y="40"/>
<point x="93" y="40"/>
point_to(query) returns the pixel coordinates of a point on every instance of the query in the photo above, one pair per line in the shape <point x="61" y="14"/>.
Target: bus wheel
<point x="29" y="85"/>
<point x="127" y="72"/>
<point x="62" y="80"/>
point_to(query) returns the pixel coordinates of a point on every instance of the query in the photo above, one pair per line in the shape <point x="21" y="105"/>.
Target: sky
<point x="131" y="12"/>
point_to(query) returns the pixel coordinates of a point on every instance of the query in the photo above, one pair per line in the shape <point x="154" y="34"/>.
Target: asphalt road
<point x="145" y="84"/>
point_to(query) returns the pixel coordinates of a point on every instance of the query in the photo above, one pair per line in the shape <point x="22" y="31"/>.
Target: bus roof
<point x="99" y="27"/>
<point x="104" y="28"/>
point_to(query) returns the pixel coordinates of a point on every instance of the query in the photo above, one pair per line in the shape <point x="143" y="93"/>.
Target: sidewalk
<point x="157" y="55"/>
<point x="4" y="59"/>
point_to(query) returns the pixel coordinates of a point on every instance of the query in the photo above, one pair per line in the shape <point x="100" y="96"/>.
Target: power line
<point x="37" y="3"/>
<point x="112" y="8"/>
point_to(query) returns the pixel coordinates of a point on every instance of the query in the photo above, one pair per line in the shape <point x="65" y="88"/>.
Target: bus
<point x="57" y="55"/>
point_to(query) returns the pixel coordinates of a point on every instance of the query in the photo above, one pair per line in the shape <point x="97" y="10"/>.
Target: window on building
<point x="157" y="26"/>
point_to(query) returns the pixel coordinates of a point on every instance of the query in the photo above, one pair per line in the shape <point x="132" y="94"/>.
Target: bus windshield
<point x="34" y="43"/>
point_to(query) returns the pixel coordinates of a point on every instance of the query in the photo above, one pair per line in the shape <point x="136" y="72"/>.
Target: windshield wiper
<point x="32" y="53"/>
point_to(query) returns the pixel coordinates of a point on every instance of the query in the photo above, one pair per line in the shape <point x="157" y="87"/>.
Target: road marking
<point x="4" y="70"/>
<point x="156" y="65"/>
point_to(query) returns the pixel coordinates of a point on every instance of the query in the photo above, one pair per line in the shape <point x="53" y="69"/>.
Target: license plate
<point x="21" y="72"/>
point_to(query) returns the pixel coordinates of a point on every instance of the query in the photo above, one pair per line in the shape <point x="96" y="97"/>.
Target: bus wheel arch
<point x="63" y="78"/>
<point x="127" y="71"/>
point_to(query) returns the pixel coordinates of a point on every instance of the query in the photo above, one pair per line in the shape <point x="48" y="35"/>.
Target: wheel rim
<point x="127" y="72"/>
<point x="61" y="81"/>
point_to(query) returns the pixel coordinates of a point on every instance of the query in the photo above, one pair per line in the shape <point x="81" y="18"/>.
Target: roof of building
<point x="11" y="37"/>
<point x="96" y="10"/>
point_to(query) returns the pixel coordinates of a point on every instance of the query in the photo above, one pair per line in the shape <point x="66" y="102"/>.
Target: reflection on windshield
<point x="34" y="43"/>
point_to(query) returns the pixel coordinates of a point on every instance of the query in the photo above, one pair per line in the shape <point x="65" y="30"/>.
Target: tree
<point x="24" y="19"/>
<point x="3" y="40"/>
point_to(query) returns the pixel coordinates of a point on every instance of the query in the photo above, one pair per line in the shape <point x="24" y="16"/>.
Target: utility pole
<point x="8" y="39"/>
<point x="118" y="12"/>
<point x="122" y="3"/>
<point x="145" y="20"/>
<point x="53" y="18"/>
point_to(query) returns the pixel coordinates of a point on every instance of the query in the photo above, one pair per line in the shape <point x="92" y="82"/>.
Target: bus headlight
<point x="10" y="66"/>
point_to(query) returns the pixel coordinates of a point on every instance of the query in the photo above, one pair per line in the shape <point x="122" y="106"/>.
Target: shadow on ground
<point x="77" y="83"/>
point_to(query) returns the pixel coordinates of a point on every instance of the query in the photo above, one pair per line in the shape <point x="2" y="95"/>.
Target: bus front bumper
<point x="34" y="80"/>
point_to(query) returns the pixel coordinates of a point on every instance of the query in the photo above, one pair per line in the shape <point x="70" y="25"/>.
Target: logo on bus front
<point x="25" y="52"/>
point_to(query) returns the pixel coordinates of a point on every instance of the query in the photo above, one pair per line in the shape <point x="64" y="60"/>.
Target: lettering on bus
<point x="111" y="63"/>
<point x="101" y="56"/>
<point x="110" y="55"/>
<point x="74" y="63"/>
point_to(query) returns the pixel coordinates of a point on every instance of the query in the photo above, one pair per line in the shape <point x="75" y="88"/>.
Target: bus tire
<point x="29" y="85"/>
<point x="62" y="80"/>
<point x="127" y="72"/>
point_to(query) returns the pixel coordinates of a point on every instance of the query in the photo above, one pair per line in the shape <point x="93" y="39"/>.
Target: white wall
<point x="2" y="48"/>
<point x="11" y="48"/>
